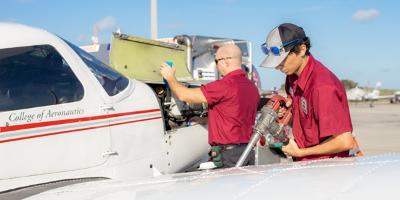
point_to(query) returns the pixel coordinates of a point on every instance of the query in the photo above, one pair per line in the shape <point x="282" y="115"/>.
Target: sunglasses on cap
<point x="276" y="50"/>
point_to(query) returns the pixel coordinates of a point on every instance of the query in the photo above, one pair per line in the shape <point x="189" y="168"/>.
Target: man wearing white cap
<point x="322" y="125"/>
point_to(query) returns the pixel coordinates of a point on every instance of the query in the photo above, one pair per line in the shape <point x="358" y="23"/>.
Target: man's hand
<point x="188" y="95"/>
<point x="167" y="72"/>
<point x="334" y="144"/>
<point x="289" y="102"/>
<point x="282" y="111"/>
<point x="292" y="149"/>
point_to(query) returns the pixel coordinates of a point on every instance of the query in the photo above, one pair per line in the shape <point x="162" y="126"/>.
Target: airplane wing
<point x="383" y="97"/>
<point x="373" y="177"/>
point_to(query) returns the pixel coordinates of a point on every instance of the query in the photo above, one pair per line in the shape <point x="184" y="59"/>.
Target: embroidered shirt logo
<point x="303" y="103"/>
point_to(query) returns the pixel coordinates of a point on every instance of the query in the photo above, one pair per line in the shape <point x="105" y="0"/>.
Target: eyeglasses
<point x="219" y="59"/>
<point x="276" y="50"/>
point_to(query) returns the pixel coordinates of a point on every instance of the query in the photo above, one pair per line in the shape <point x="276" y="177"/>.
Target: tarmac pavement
<point x="377" y="129"/>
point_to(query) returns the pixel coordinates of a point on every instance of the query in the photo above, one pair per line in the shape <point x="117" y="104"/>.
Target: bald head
<point x="234" y="54"/>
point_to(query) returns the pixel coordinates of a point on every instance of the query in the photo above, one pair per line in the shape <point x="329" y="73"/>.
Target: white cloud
<point x="107" y="23"/>
<point x="365" y="15"/>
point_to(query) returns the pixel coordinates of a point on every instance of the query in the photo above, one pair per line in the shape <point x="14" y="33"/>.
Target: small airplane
<point x="396" y="97"/>
<point x="358" y="94"/>
<point x="375" y="94"/>
<point x="66" y="115"/>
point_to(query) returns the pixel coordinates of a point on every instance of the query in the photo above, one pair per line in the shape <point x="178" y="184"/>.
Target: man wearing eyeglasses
<point x="232" y="105"/>
<point x="322" y="126"/>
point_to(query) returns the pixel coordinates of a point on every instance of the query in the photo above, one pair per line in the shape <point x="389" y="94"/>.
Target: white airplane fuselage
<point x="79" y="120"/>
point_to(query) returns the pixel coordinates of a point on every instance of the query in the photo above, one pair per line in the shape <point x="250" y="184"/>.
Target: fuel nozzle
<point x="276" y="134"/>
<point x="271" y="126"/>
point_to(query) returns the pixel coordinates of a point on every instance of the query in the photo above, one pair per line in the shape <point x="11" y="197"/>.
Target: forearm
<point x="189" y="95"/>
<point x="334" y="144"/>
<point x="177" y="88"/>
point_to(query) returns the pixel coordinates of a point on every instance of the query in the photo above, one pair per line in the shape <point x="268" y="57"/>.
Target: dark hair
<point x="307" y="42"/>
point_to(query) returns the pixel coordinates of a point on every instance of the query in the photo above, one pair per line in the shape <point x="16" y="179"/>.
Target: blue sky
<point x="356" y="39"/>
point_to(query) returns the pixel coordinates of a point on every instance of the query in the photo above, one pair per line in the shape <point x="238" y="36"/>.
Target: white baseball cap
<point x="279" y="42"/>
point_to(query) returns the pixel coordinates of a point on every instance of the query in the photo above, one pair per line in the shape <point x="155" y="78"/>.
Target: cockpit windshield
<point x="112" y="81"/>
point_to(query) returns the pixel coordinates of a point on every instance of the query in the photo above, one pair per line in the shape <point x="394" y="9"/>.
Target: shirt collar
<point x="301" y="81"/>
<point x="234" y="73"/>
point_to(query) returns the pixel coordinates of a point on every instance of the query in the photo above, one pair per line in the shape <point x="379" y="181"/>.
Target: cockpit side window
<point x="36" y="76"/>
<point x="112" y="81"/>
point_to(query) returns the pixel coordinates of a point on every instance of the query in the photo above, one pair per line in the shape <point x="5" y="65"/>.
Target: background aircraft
<point x="358" y="94"/>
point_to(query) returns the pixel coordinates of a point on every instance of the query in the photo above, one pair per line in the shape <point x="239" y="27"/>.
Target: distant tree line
<point x="349" y="84"/>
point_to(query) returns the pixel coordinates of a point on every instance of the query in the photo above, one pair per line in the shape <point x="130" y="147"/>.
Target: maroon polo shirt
<point x="232" y="106"/>
<point x="320" y="107"/>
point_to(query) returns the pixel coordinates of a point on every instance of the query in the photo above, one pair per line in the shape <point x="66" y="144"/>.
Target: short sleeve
<point x="331" y="112"/>
<point x="214" y="91"/>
